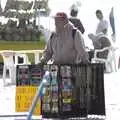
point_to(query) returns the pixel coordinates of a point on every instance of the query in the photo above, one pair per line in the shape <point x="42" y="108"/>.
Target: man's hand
<point x="42" y="61"/>
<point x="92" y="36"/>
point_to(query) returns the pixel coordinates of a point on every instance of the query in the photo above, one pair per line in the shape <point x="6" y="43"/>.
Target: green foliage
<point x="22" y="45"/>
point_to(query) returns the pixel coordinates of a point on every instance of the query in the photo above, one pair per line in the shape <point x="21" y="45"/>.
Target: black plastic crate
<point x="96" y="96"/>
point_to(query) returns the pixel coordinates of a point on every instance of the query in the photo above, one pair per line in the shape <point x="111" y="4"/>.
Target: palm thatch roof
<point x="18" y="14"/>
<point x="25" y="9"/>
<point x="18" y="5"/>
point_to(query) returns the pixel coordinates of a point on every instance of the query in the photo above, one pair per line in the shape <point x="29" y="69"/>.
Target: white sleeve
<point x="105" y="24"/>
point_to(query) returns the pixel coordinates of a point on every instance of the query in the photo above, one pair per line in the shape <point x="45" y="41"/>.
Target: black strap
<point x="73" y="32"/>
<point x="52" y="35"/>
<point x="73" y="35"/>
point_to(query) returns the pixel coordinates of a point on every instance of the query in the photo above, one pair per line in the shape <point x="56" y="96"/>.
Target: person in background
<point x="101" y="29"/>
<point x="76" y="22"/>
<point x="103" y="24"/>
<point x="62" y="47"/>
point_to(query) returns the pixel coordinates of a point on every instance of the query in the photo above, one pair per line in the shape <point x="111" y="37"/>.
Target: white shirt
<point x="103" y="24"/>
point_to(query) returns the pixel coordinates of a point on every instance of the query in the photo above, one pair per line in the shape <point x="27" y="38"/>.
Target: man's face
<point x="59" y="23"/>
<point x="99" y="16"/>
